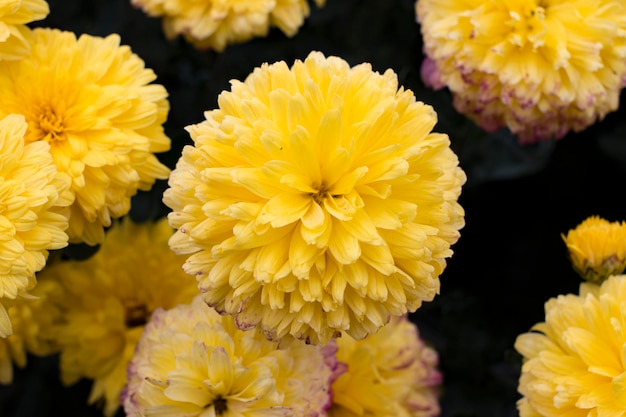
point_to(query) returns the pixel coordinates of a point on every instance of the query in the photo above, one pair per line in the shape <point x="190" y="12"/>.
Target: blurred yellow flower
<point x="574" y="361"/>
<point x="192" y="361"/>
<point x="316" y="200"/>
<point x="597" y="248"/>
<point x="389" y="374"/>
<point x="29" y="192"/>
<point x="541" y="68"/>
<point x="91" y="100"/>
<point x="217" y="24"/>
<point x="107" y="299"/>
<point x="14" y="34"/>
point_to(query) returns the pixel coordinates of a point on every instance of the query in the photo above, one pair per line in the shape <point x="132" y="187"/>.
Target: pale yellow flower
<point x="389" y="374"/>
<point x="91" y="100"/>
<point x="191" y="361"/>
<point x="597" y="248"/>
<point x="14" y="34"/>
<point x="574" y="361"/>
<point x="29" y="192"/>
<point x="216" y="24"/>
<point x="541" y="68"/>
<point x="108" y="298"/>
<point x="316" y="200"/>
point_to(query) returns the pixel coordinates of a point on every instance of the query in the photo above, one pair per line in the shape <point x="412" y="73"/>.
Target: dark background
<point x="518" y="200"/>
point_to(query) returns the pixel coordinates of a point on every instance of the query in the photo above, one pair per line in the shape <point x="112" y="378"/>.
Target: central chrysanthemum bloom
<point x="540" y="67"/>
<point x="317" y="199"/>
<point x="91" y="100"/>
<point x="14" y="34"/>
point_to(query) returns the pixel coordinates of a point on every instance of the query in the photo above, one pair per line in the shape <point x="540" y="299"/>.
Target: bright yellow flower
<point x="389" y="374"/>
<point x="192" y="361"/>
<point x="597" y="248"/>
<point x="91" y="100"/>
<point x="218" y="23"/>
<point x="574" y="361"/>
<point x="14" y="34"/>
<point x="317" y="200"/>
<point x="29" y="191"/>
<point x="107" y="299"/>
<point x="539" y="67"/>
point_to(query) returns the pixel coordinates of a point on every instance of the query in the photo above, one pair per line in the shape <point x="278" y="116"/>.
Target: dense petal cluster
<point x="91" y="100"/>
<point x="574" y="361"/>
<point x="597" y="248"/>
<point x="217" y="24"/>
<point x="107" y="299"/>
<point x="14" y="34"/>
<point x="541" y="67"/>
<point x="390" y="373"/>
<point x="316" y="200"/>
<point x="29" y="193"/>
<point x="192" y="361"/>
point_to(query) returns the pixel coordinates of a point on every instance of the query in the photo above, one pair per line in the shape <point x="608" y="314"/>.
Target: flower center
<point x="136" y="314"/>
<point x="322" y="193"/>
<point x="220" y="404"/>
<point x="45" y="123"/>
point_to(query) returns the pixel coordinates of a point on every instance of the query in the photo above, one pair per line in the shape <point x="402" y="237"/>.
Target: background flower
<point x="540" y="68"/>
<point x="107" y="299"/>
<point x="14" y="34"/>
<point x="192" y="361"/>
<point x="91" y="100"/>
<point x="317" y="200"/>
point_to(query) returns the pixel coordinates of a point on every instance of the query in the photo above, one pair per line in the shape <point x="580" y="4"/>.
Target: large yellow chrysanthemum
<point x="29" y="192"/>
<point x="191" y="362"/>
<point x="216" y="24"/>
<point x="597" y="248"/>
<point x="574" y="363"/>
<point x="91" y="100"/>
<point x="108" y="298"/>
<point x="317" y="200"/>
<point x="14" y="34"/>
<point x="539" y="67"/>
<point x="389" y="374"/>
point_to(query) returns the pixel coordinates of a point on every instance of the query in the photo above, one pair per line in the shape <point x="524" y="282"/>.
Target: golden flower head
<point x="91" y="101"/>
<point x="540" y="67"/>
<point x="107" y="299"/>
<point x="390" y="373"/>
<point x="217" y="24"/>
<point x="317" y="200"/>
<point x="29" y="192"/>
<point x="192" y="361"/>
<point x="14" y="34"/>
<point x="574" y="361"/>
<point x="597" y="248"/>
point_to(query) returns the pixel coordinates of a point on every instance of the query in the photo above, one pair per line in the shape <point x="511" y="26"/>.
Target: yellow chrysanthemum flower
<point x="91" y="100"/>
<point x="14" y="34"/>
<point x="33" y="319"/>
<point x="217" y="24"/>
<point x="191" y="361"/>
<point x="540" y="67"/>
<point x="29" y="192"/>
<point x="597" y="248"/>
<point x="574" y="361"/>
<point x="108" y="298"/>
<point x="389" y="374"/>
<point x="317" y="199"/>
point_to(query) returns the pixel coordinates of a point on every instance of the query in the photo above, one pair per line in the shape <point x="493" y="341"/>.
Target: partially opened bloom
<point x="541" y="68"/>
<point x="29" y="227"/>
<point x="91" y="100"/>
<point x="217" y="24"/>
<point x="597" y="248"/>
<point x="107" y="299"/>
<point x="574" y="361"/>
<point x="316" y="200"/>
<point x="14" y="34"/>
<point x="390" y="373"/>
<point x="192" y="361"/>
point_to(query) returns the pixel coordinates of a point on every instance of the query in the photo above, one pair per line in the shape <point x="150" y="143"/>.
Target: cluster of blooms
<point x="217" y="24"/>
<point x="541" y="67"/>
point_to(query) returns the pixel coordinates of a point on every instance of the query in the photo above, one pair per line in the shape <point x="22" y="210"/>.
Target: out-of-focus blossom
<point x="14" y="34"/>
